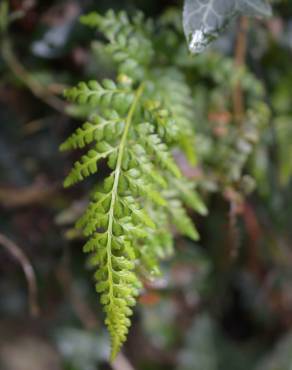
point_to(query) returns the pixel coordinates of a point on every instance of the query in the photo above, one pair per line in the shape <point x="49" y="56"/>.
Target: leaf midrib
<point x="121" y="149"/>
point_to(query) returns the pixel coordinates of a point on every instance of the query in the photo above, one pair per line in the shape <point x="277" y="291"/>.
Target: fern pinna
<point x="136" y="124"/>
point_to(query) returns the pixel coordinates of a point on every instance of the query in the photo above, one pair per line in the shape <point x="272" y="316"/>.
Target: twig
<point x="21" y="73"/>
<point x="36" y="193"/>
<point x="254" y="232"/>
<point x="28" y="270"/>
<point x="233" y="231"/>
<point x="240" y="55"/>
<point x="122" y="363"/>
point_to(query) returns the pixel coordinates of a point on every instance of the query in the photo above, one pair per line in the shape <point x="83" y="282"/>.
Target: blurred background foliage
<point x="223" y="303"/>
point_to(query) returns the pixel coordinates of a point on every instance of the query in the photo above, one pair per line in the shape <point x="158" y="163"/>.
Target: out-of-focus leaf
<point x="204" y="20"/>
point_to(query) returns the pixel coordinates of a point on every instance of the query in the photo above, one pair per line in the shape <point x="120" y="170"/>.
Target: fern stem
<point x="129" y="119"/>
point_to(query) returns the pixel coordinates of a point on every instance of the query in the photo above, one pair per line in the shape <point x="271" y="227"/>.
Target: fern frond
<point x="117" y="284"/>
<point x="163" y="120"/>
<point x="138" y="185"/>
<point x="88" y="164"/>
<point x="173" y="91"/>
<point x="129" y="45"/>
<point x="128" y="220"/>
<point x="134" y="208"/>
<point x="189" y="195"/>
<point x="181" y="220"/>
<point x="142" y="162"/>
<point x="107" y="94"/>
<point x="159" y="243"/>
<point x="97" y="129"/>
<point x="154" y="146"/>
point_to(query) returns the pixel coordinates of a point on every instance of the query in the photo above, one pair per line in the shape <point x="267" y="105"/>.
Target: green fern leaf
<point x="181" y="220"/>
<point x="107" y="94"/>
<point x="128" y="220"/>
<point x="97" y="129"/>
<point x="88" y="163"/>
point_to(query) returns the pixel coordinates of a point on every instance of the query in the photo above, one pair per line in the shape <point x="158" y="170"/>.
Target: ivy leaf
<point x="204" y="20"/>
